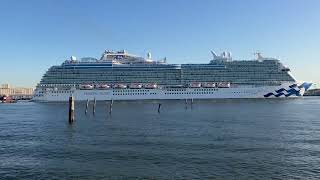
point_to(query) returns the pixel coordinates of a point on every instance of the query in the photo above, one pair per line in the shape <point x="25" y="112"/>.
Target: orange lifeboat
<point x="135" y="86"/>
<point x="86" y="86"/>
<point x="102" y="86"/>
<point x="120" y="86"/>
<point x="208" y="85"/>
<point x="150" y="86"/>
<point x="223" y="85"/>
<point x="195" y="85"/>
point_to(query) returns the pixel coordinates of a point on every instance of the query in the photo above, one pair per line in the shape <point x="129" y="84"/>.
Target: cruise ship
<point x="119" y="75"/>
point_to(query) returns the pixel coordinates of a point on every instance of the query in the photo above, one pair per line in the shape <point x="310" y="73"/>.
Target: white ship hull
<point x="286" y="90"/>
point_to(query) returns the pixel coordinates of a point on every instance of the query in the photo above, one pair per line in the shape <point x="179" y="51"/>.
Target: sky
<point x="37" y="34"/>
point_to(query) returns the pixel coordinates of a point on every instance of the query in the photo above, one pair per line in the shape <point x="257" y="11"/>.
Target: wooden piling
<point x="71" y="109"/>
<point x="191" y="103"/>
<point x="94" y="106"/>
<point x="87" y="105"/>
<point x="110" y="107"/>
<point x="186" y="103"/>
<point x="159" y="106"/>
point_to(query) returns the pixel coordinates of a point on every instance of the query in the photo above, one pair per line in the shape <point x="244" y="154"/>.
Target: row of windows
<point x="178" y="90"/>
<point x="183" y="77"/>
<point x="206" y="89"/>
<point x="190" y="93"/>
<point x="161" y="71"/>
<point x="131" y="90"/>
<point x="165" y="75"/>
<point x="208" y="92"/>
<point x="38" y="95"/>
<point x="131" y="94"/>
<point x="125" y="94"/>
<point x="58" y="92"/>
<point x="240" y="81"/>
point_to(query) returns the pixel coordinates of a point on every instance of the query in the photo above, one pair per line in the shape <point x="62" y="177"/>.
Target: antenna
<point x="214" y="55"/>
<point x="258" y="54"/>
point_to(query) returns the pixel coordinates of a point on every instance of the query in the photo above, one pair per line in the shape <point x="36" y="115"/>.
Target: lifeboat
<point x="120" y="86"/>
<point x="195" y="85"/>
<point x="86" y="86"/>
<point x="102" y="86"/>
<point x="208" y="85"/>
<point x="224" y="85"/>
<point x="150" y="86"/>
<point x="135" y="86"/>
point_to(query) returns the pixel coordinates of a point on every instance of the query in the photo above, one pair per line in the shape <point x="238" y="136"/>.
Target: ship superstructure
<point x="124" y="76"/>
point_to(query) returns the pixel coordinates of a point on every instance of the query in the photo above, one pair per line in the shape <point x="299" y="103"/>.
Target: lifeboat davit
<point x="150" y="86"/>
<point x="135" y="86"/>
<point x="195" y="85"/>
<point x="208" y="85"/>
<point x="120" y="86"/>
<point x="103" y="86"/>
<point x="86" y="86"/>
<point x="224" y="85"/>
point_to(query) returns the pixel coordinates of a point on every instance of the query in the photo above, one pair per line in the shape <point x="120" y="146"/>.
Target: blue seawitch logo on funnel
<point x="290" y="91"/>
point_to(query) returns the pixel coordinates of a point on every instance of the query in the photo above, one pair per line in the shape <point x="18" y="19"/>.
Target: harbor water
<point x="208" y="139"/>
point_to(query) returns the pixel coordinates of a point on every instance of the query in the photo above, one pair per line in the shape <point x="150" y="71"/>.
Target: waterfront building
<point x="6" y="89"/>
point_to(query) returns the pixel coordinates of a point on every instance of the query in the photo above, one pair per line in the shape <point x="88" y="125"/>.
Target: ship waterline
<point x="122" y="76"/>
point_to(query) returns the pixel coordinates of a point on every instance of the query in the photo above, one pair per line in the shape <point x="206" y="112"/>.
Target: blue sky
<point x="36" y="34"/>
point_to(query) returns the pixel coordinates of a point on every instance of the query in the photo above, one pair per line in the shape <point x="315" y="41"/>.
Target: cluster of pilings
<point x="186" y="103"/>
<point x="72" y="107"/>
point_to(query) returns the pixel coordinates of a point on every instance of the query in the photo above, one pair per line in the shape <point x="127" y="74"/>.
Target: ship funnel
<point x="149" y="55"/>
<point x="73" y="58"/>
